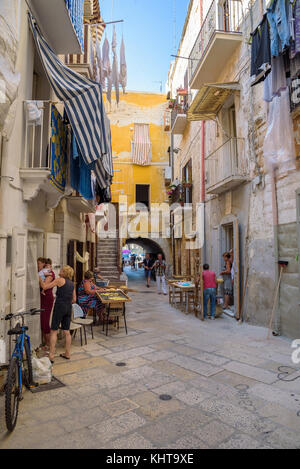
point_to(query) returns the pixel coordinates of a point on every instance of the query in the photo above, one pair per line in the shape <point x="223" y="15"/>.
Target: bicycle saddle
<point x="17" y="331"/>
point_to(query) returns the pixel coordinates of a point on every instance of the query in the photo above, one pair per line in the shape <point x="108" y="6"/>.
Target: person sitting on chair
<point x="87" y="296"/>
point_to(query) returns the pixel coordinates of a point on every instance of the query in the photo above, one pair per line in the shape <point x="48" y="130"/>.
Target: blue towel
<point x="81" y="176"/>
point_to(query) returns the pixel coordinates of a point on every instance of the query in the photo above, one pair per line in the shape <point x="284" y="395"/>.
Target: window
<point x="187" y="179"/>
<point x="142" y="194"/>
<point x="141" y="147"/>
<point x="8" y="250"/>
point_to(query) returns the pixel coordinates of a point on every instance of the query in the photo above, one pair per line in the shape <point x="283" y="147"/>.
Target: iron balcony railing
<point x="75" y="9"/>
<point x="227" y="161"/>
<point x="177" y="111"/>
<point x="37" y="154"/>
<point x="221" y="17"/>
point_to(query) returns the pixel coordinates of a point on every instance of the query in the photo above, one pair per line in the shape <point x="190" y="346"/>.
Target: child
<point x="46" y="272"/>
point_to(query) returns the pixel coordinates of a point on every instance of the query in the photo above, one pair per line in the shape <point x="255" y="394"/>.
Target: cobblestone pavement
<point x="223" y="379"/>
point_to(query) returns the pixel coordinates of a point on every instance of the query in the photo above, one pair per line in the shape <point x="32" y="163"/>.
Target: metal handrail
<point x="223" y="144"/>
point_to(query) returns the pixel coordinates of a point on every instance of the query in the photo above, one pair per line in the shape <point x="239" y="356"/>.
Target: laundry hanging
<point x="260" y="53"/>
<point x="115" y="70"/>
<point x="99" y="63"/>
<point x="58" y="151"/>
<point x="82" y="99"/>
<point x="123" y="66"/>
<point x="141" y="147"/>
<point x="106" y="68"/>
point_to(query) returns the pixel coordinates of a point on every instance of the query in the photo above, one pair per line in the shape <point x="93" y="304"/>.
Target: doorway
<point x="230" y="242"/>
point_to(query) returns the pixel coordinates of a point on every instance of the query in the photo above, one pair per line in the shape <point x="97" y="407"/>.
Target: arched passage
<point x="150" y="246"/>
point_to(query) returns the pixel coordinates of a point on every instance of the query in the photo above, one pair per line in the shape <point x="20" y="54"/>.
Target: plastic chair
<point x="79" y="320"/>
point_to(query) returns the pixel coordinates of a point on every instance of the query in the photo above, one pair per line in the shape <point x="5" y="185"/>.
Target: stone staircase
<point x="107" y="258"/>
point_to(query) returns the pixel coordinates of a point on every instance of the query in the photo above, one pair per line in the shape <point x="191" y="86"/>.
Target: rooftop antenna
<point x="161" y="85"/>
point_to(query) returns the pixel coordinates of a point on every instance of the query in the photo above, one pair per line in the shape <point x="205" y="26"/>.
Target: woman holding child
<point x="46" y="276"/>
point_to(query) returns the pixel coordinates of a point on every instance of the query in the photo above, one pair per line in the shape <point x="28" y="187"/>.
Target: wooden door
<point x="19" y="270"/>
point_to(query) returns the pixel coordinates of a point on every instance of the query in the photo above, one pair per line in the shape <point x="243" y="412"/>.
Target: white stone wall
<point x="251" y="204"/>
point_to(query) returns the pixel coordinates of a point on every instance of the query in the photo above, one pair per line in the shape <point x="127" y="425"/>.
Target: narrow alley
<point x="222" y="379"/>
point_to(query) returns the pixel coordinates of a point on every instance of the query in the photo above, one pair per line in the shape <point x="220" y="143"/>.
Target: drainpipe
<point x="277" y="324"/>
<point x="202" y="195"/>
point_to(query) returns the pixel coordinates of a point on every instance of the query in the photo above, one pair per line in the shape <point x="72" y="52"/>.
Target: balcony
<point x="83" y="63"/>
<point x="219" y="37"/>
<point x="61" y="22"/>
<point x="36" y="166"/>
<point x="179" y="120"/>
<point x="226" y="167"/>
<point x="78" y="204"/>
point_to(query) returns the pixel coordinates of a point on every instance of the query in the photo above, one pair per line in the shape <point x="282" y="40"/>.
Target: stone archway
<point x="154" y="247"/>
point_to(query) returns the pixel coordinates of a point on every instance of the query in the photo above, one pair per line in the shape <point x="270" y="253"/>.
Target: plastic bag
<point x="42" y="370"/>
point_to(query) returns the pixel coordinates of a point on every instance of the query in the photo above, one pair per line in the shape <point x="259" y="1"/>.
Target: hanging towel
<point x="58" y="151"/>
<point x="81" y="176"/>
<point x="123" y="66"/>
<point x="141" y="147"/>
<point x="115" y="70"/>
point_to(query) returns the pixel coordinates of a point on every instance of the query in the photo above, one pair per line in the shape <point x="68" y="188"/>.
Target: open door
<point x="52" y="250"/>
<point x="19" y="270"/>
<point x="237" y="276"/>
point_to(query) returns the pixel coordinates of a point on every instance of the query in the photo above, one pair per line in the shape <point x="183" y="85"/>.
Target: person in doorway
<point x="87" y="296"/>
<point x="209" y="291"/>
<point x="160" y="272"/>
<point x="228" y="285"/>
<point x="47" y="302"/>
<point x="148" y="264"/>
<point x="62" y="312"/>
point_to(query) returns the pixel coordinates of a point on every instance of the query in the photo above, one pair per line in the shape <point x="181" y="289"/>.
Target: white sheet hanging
<point x="279" y="146"/>
<point x="123" y="66"/>
<point x="115" y="69"/>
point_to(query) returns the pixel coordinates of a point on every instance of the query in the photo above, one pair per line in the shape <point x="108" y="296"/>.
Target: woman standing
<point x="87" y="296"/>
<point x="228" y="285"/>
<point x="62" y="312"/>
<point x="47" y="300"/>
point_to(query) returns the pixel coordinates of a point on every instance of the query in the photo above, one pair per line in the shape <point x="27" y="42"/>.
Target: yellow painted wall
<point x="134" y="108"/>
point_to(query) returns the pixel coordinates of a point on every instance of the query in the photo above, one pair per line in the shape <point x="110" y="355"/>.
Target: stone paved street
<point x="223" y="379"/>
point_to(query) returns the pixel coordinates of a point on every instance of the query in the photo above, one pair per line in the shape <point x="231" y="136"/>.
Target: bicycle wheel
<point x="12" y="392"/>
<point x="27" y="365"/>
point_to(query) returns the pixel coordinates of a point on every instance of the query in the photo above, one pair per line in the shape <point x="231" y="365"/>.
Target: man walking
<point x="209" y="291"/>
<point x="160" y="272"/>
<point x="148" y="266"/>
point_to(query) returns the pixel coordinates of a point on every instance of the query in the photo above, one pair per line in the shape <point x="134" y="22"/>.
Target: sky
<point x="149" y="36"/>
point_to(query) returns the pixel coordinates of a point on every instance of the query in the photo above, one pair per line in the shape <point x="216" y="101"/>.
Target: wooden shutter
<point x="52" y="250"/>
<point x="19" y="270"/>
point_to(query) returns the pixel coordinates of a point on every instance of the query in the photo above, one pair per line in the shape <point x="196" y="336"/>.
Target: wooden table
<point x="114" y="297"/>
<point x="184" y="290"/>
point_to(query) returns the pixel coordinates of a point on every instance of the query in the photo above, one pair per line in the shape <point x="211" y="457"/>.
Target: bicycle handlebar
<point x="31" y="312"/>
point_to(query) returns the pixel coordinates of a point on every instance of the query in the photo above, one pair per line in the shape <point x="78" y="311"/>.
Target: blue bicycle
<point x="19" y="368"/>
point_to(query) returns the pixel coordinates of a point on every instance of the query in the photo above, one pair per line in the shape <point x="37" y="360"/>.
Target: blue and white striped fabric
<point x="83" y="102"/>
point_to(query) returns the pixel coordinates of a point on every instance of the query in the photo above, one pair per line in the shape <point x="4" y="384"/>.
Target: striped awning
<point x="141" y="147"/>
<point x="84" y="106"/>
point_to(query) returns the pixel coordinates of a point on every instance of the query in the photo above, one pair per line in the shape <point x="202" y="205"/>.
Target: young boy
<point x="46" y="271"/>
